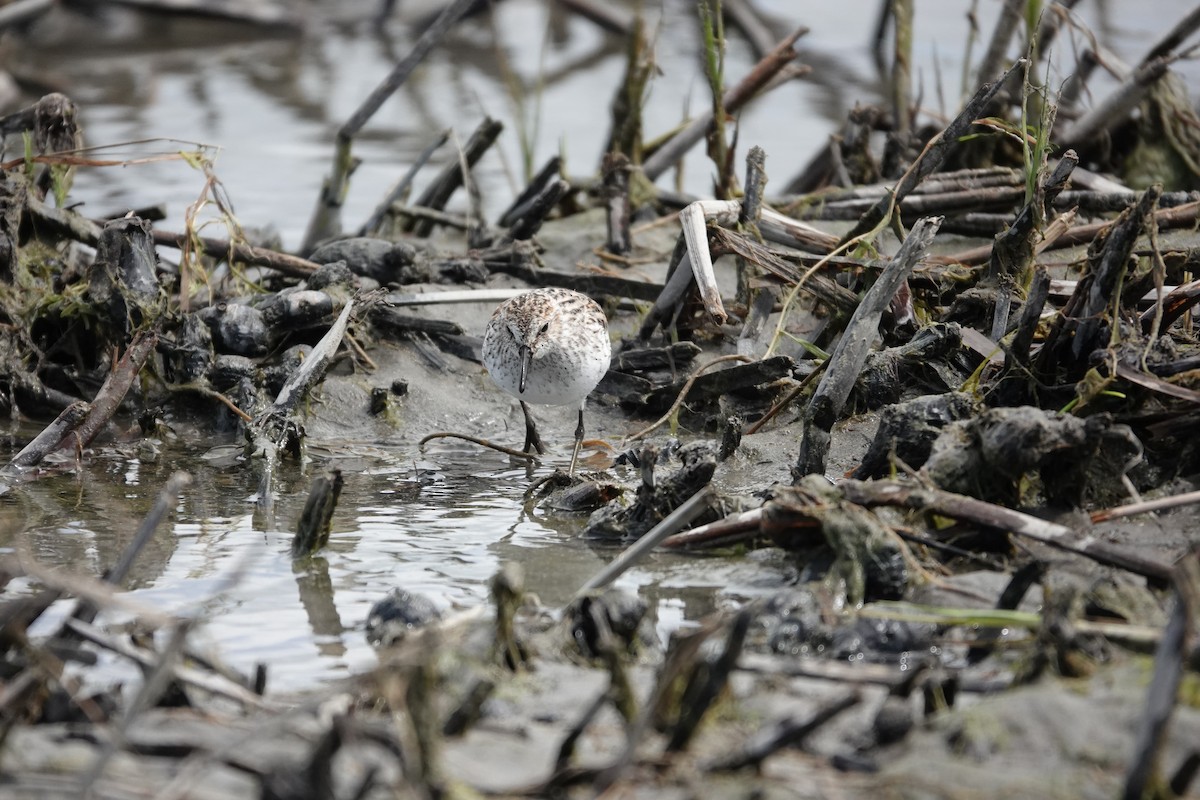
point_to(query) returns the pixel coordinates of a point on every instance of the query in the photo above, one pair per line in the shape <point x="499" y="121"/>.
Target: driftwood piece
<point x="776" y="262"/>
<point x="1116" y="107"/>
<point x="283" y="263"/>
<point x="643" y="359"/>
<point x="393" y="323"/>
<point x="535" y="212"/>
<point x="829" y="400"/>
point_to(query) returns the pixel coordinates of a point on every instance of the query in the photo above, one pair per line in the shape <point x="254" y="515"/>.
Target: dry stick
<point x="1007" y="24"/>
<point x="686" y="512"/>
<point x="782" y="404"/>
<point x="602" y="15"/>
<point x="1182" y="30"/>
<point x="1107" y="271"/>
<point x="1177" y="217"/>
<point x="537" y="184"/>
<point x="292" y="266"/>
<point x="371" y="226"/>
<point x="900" y="81"/>
<point x="957" y="506"/>
<point x="735" y="528"/>
<point x="453" y="174"/>
<point x="1013" y="251"/>
<point x="745" y="17"/>
<point x="787" y="732"/>
<point x="155" y="681"/>
<point x="213" y="683"/>
<point x="933" y="155"/>
<point x="21" y="10"/>
<point x="109" y="398"/>
<point x="47" y="441"/>
<point x="759" y="301"/>
<point x="687" y="387"/>
<point x="615" y="169"/>
<point x="1115" y="108"/>
<point x="1146" y="506"/>
<point x="314" y="365"/>
<point x="734" y="99"/>
<point x="851" y="353"/>
<point x="325" y="220"/>
<point x="99" y="593"/>
<point x="212" y="394"/>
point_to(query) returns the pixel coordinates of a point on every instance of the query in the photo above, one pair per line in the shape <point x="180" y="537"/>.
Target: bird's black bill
<point x="526" y="355"/>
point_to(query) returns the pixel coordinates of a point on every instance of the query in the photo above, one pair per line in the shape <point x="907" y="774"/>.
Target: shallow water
<point x="439" y="527"/>
<point x="441" y="523"/>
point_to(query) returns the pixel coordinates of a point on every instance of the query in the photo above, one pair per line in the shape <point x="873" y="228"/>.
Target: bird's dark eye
<point x="545" y="327"/>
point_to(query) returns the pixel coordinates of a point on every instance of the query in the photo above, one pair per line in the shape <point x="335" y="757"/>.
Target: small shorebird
<point x="548" y="346"/>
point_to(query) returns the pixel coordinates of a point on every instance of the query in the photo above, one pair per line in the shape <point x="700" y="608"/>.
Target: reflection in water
<point x="316" y="595"/>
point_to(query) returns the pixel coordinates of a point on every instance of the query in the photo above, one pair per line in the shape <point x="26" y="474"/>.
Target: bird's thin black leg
<point x="532" y="440"/>
<point x="578" y="443"/>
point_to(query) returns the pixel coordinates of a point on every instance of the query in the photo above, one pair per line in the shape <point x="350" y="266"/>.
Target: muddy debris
<point x="930" y="394"/>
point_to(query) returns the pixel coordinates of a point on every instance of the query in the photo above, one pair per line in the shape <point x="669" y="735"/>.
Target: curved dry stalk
<point x="212" y="394"/>
<point x="512" y="451"/>
<point x="687" y="387"/>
